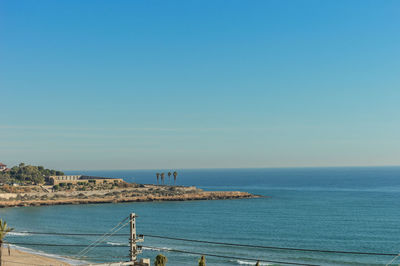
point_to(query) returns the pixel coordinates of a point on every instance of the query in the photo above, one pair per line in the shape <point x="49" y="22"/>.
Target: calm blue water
<point x="317" y="208"/>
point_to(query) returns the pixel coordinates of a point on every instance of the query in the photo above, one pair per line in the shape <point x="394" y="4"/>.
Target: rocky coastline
<point x="144" y="193"/>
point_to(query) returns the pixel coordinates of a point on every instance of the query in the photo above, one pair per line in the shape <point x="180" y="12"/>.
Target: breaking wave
<point x="156" y="249"/>
<point x="18" y="234"/>
<point x="116" y="244"/>
<point x="243" y="262"/>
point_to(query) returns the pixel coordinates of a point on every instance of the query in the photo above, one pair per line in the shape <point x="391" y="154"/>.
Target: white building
<point x="3" y="167"/>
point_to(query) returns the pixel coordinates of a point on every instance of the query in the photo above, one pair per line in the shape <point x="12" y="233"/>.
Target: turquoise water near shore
<point x="352" y="209"/>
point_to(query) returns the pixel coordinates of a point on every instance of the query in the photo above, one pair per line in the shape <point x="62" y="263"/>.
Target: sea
<point x="335" y="209"/>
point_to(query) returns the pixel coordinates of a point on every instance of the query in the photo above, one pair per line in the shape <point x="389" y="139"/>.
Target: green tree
<point x="158" y="176"/>
<point x="169" y="177"/>
<point x="4" y="178"/>
<point x="4" y="230"/>
<point x="28" y="174"/>
<point x="160" y="260"/>
<point x="175" y="175"/>
<point x="202" y="261"/>
<point x="162" y="178"/>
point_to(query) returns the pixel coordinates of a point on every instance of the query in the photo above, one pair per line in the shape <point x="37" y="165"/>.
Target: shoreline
<point x="201" y="195"/>
<point x="25" y="256"/>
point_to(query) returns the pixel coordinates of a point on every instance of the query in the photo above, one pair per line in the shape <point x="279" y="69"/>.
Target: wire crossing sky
<point x="199" y="84"/>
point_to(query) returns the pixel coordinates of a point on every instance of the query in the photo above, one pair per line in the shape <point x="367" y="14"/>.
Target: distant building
<point x="3" y="167"/>
<point x="73" y="179"/>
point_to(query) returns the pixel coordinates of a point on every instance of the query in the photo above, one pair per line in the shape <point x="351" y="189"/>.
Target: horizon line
<point x="233" y="168"/>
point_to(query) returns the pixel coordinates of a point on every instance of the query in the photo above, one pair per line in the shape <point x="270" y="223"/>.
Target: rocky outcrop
<point x="128" y="196"/>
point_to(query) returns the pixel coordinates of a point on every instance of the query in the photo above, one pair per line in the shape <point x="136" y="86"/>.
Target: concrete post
<point x="132" y="240"/>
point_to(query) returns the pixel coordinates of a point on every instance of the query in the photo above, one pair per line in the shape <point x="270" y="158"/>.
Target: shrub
<point x="160" y="260"/>
<point x="202" y="261"/>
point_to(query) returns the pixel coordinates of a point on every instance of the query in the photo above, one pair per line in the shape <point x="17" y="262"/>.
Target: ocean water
<point x="349" y="209"/>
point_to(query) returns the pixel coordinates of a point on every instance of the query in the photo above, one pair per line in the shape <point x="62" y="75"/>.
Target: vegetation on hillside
<point x="27" y="174"/>
<point x="91" y="186"/>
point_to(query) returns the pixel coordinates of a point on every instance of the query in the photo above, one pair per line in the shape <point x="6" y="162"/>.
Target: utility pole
<point x="134" y="251"/>
<point x="133" y="239"/>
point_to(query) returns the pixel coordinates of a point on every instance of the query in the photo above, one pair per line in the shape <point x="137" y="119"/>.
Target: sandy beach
<point x="18" y="258"/>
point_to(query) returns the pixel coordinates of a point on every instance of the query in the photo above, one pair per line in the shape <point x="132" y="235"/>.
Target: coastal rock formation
<point x="138" y="194"/>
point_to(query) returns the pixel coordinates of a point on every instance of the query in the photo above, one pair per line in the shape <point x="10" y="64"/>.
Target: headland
<point x="27" y="185"/>
<point x="133" y="193"/>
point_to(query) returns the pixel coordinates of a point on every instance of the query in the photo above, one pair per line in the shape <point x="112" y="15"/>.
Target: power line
<point x="272" y="247"/>
<point x="108" y="257"/>
<point x="229" y="257"/>
<point x="62" y="245"/>
<point x="104" y="237"/>
<point x="64" y="234"/>
<point x="393" y="260"/>
<point x="225" y="243"/>
<point x="164" y="249"/>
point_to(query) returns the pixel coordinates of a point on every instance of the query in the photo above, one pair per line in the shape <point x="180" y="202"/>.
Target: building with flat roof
<point x="73" y="179"/>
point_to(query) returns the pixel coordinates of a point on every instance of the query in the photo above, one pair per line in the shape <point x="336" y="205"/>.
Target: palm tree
<point x="169" y="177"/>
<point x="175" y="175"/>
<point x="158" y="176"/>
<point x="202" y="261"/>
<point x="160" y="260"/>
<point x="162" y="178"/>
<point x="4" y="230"/>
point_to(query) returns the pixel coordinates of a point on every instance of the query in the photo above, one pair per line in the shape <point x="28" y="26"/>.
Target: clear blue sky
<point x="198" y="84"/>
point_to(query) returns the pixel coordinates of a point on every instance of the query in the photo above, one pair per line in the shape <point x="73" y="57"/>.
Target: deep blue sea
<point x="350" y="209"/>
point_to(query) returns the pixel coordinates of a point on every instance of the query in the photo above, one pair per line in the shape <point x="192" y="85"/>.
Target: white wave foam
<point x="157" y="249"/>
<point x="242" y="262"/>
<point x="18" y="234"/>
<point x="116" y="244"/>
